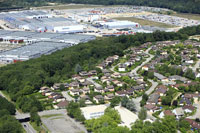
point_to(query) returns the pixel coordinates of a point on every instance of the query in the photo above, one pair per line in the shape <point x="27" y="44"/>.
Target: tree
<point x="34" y="117"/>
<point x="62" y="87"/>
<point x="124" y="101"/>
<point x="150" y="75"/>
<point x="115" y="101"/>
<point x="131" y="106"/>
<point x="74" y="111"/>
<point x="142" y="114"/>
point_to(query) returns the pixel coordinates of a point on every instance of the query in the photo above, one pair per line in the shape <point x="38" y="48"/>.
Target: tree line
<point x="184" y="6"/>
<point x="24" y="78"/>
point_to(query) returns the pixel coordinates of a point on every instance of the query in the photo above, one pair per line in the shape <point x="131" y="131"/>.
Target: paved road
<point x="67" y="96"/>
<point x="28" y="128"/>
<point x="93" y="82"/>
<point x="197" y="114"/>
<point x="134" y="71"/>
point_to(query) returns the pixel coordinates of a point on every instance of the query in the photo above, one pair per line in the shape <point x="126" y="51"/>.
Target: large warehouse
<point x="31" y="51"/>
<point x="119" y="24"/>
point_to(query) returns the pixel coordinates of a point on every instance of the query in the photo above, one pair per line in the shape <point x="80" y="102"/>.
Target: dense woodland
<point x="24" y="78"/>
<point x="185" y="6"/>
<point x="8" y="124"/>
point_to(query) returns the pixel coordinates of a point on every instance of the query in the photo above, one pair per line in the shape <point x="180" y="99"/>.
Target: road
<point x="67" y="96"/>
<point x="93" y="82"/>
<point x="134" y="71"/>
<point x="26" y="125"/>
<point x="197" y="114"/>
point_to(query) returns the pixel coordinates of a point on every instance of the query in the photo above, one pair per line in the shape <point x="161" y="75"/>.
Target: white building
<point x="69" y="29"/>
<point x="95" y="111"/>
<point x="119" y="24"/>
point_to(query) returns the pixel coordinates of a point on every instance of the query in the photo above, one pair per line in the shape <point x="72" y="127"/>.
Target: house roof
<point x="178" y="111"/>
<point x="153" y="98"/>
<point x="150" y="106"/>
<point x="62" y="104"/>
<point x="168" y="112"/>
<point x="161" y="90"/>
<point x="190" y="107"/>
<point x="193" y="123"/>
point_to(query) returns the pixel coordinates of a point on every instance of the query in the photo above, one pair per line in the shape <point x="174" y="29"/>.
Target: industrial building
<point x="31" y="37"/>
<point x="41" y="21"/>
<point x="119" y="24"/>
<point x="31" y="51"/>
<point x="35" y="44"/>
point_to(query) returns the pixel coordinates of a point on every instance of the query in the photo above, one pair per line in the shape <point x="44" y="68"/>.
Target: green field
<point x="187" y="15"/>
<point x="146" y="22"/>
<point x="68" y="6"/>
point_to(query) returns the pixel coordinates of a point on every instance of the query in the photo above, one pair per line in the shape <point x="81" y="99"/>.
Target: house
<point x="178" y="113"/>
<point x="130" y="91"/>
<point x="161" y="90"/>
<point x="73" y="85"/>
<point x="193" y="124"/>
<point x="116" y="75"/>
<point x="109" y="96"/>
<point x="58" y="98"/>
<point x="75" y="77"/>
<point x="188" y="108"/>
<point x="47" y="92"/>
<point x="110" y="88"/>
<point x="86" y="90"/>
<point x="166" y="113"/>
<point x="61" y="105"/>
<point x="98" y="98"/>
<point x="95" y="111"/>
<point x="83" y="73"/>
<point x="150" y="107"/>
<point x="102" y="65"/>
<point x="52" y="95"/>
<point x="86" y="84"/>
<point x="92" y="72"/>
<point x="177" y="77"/>
<point x="74" y="92"/>
<point x="153" y="98"/>
<point x="146" y="68"/>
<point x="138" y="88"/>
<point x="122" y="68"/>
<point x="118" y="83"/>
<point x="159" y="76"/>
<point x="87" y="99"/>
<point x="105" y="71"/>
<point x="121" y="93"/>
<point x="99" y="89"/>
<point x="43" y="89"/>
<point x="185" y="101"/>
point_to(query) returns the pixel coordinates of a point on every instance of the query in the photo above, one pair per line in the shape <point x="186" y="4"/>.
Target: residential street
<point x="65" y="95"/>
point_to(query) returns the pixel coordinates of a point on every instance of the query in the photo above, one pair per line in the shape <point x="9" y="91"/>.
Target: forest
<point x="21" y="79"/>
<point x="184" y="6"/>
<point x="8" y="124"/>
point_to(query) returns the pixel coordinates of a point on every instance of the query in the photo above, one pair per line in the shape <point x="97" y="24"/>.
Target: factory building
<point x="35" y="44"/>
<point x="31" y="51"/>
<point x="119" y="25"/>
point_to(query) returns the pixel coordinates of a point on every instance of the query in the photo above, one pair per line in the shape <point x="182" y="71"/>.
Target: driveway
<point x="67" y="96"/>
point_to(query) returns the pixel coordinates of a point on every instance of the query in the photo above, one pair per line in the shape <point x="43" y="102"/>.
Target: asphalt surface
<point x="67" y="96"/>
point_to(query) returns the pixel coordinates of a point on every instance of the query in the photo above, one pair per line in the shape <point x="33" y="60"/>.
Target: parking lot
<point x="61" y="123"/>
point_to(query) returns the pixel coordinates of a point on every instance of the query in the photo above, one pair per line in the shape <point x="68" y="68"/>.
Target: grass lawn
<point x="145" y="22"/>
<point x="187" y="15"/>
<point x="39" y="129"/>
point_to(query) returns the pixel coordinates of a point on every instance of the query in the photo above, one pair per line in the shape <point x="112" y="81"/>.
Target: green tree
<point x="115" y="101"/>
<point x="142" y="114"/>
